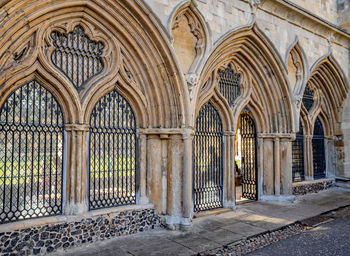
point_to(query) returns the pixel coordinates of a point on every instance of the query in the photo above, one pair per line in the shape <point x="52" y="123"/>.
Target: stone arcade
<point x="120" y="116"/>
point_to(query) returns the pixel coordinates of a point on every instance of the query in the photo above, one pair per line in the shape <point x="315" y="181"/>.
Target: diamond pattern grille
<point x="31" y="154"/>
<point x="112" y="175"/>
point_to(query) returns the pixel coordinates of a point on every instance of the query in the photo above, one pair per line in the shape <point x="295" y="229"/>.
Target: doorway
<point x="246" y="158"/>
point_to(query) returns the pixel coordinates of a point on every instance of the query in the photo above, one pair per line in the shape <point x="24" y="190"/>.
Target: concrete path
<point x="220" y="229"/>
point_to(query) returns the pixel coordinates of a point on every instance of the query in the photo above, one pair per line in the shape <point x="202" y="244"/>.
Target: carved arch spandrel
<point x="187" y="12"/>
<point x="296" y="57"/>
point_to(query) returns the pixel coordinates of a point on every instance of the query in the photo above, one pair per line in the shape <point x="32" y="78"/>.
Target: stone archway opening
<point x="246" y="178"/>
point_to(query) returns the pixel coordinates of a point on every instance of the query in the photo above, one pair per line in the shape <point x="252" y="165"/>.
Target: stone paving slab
<point x="216" y="231"/>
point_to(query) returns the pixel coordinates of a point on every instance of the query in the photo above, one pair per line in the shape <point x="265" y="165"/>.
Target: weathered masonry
<point x="120" y="116"/>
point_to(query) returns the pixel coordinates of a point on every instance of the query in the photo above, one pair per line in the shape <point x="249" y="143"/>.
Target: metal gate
<point x="298" y="156"/>
<point x="248" y="160"/>
<point x="31" y="154"/>
<point x="112" y="172"/>
<point x="318" y="151"/>
<point x="208" y="160"/>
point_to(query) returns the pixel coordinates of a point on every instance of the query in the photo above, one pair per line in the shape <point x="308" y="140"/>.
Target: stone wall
<point x="51" y="237"/>
<point x="303" y="188"/>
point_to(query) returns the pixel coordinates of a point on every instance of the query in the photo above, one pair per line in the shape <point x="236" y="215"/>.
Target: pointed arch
<point x="327" y="77"/>
<point x="147" y="56"/>
<point x="263" y="70"/>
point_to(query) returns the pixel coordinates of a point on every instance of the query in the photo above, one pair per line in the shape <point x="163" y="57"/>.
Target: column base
<point x="76" y="209"/>
<point x="230" y="205"/>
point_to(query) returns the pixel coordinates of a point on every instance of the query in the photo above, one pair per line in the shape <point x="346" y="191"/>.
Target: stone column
<point x="308" y="158"/>
<point x="154" y="165"/>
<point x="229" y="177"/>
<point x="164" y="170"/>
<point x="174" y="188"/>
<point x="187" y="177"/>
<point x="268" y="166"/>
<point x="142" y="168"/>
<point x="330" y="156"/>
<point x="286" y="165"/>
<point x="277" y="166"/>
<point x="76" y="175"/>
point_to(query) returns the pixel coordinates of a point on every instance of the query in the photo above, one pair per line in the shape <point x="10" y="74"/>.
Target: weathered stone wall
<point x="303" y="188"/>
<point x="51" y="237"/>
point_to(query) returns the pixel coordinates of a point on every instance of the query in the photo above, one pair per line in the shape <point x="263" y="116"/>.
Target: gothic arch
<point x="327" y="77"/>
<point x="146" y="57"/>
<point x="262" y="69"/>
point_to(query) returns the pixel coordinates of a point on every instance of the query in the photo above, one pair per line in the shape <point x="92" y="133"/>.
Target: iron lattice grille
<point x="298" y="156"/>
<point x="318" y="151"/>
<point x="31" y="154"/>
<point x="77" y="56"/>
<point x="308" y="98"/>
<point x="248" y="151"/>
<point x="112" y="174"/>
<point x="208" y="160"/>
<point x="229" y="84"/>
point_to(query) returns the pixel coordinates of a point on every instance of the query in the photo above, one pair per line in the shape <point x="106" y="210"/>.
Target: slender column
<point x="187" y="176"/>
<point x="164" y="169"/>
<point x="142" y="168"/>
<point x="277" y="166"/>
<point x="286" y="165"/>
<point x="174" y="178"/>
<point x="308" y="158"/>
<point x="76" y="175"/>
<point x="229" y="177"/>
<point x="330" y="151"/>
<point x="154" y="165"/>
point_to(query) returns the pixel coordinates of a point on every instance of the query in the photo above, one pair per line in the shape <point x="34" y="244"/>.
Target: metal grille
<point x="298" y="156"/>
<point x="318" y="151"/>
<point x="31" y="154"/>
<point x="208" y="160"/>
<point x="248" y="151"/>
<point x="78" y="57"/>
<point x="112" y="178"/>
<point x="308" y="98"/>
<point x="229" y="84"/>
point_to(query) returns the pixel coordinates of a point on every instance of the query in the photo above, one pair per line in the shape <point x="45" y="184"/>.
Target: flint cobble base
<point x="313" y="187"/>
<point x="51" y="237"/>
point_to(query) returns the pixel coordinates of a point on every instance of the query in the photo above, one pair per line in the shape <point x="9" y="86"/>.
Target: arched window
<point x="318" y="151"/>
<point x="112" y="172"/>
<point x="298" y="156"/>
<point x="31" y="154"/>
<point x="208" y="160"/>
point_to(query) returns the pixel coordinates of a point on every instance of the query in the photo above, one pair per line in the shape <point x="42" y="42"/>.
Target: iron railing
<point x="31" y="154"/>
<point x="298" y="171"/>
<point x="248" y="150"/>
<point x="208" y="160"/>
<point x="112" y="171"/>
<point x="318" y="150"/>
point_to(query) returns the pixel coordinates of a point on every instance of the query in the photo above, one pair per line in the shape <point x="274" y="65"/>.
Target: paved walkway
<point x="215" y="231"/>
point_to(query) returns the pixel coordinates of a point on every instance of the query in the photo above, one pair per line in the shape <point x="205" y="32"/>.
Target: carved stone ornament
<point x="192" y="80"/>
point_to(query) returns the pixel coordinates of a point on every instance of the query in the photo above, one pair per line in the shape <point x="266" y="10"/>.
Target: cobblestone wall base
<point x="312" y="187"/>
<point x="51" y="237"/>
